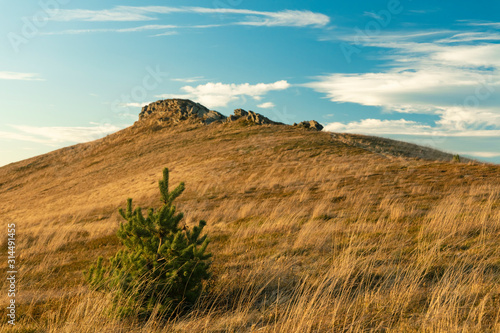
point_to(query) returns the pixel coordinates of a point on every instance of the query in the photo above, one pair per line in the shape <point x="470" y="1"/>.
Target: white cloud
<point x="468" y="55"/>
<point x="20" y="137"/>
<point x="166" y="33"/>
<point x="219" y="94"/>
<point x="379" y="127"/>
<point x="189" y="79"/>
<point x="447" y="77"/>
<point x="495" y="25"/>
<point x="288" y="18"/>
<point x="76" y="32"/>
<point x="122" y="30"/>
<point x="284" y="18"/>
<point x="134" y="105"/>
<point x="486" y="154"/>
<point x="424" y="90"/>
<point x="471" y="37"/>
<point x="118" y="13"/>
<point x="19" y="76"/>
<point x="148" y="27"/>
<point x="404" y="127"/>
<point x="55" y="135"/>
<point x="266" y="105"/>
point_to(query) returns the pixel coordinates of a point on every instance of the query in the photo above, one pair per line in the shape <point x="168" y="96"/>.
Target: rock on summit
<point x="177" y="110"/>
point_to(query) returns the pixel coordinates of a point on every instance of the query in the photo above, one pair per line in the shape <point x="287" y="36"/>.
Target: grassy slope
<point x="309" y="233"/>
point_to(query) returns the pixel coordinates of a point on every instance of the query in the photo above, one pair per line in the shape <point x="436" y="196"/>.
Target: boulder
<point x="177" y="110"/>
<point x="250" y="116"/>
<point x="240" y="113"/>
<point x="312" y="124"/>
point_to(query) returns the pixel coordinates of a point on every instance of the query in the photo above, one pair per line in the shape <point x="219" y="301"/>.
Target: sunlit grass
<point x="309" y="234"/>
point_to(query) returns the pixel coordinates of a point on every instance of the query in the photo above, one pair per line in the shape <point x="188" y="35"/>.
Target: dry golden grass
<point x="309" y="233"/>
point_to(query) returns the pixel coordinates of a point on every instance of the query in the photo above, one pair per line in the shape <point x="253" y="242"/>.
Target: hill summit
<point x="310" y="230"/>
<point x="177" y="110"/>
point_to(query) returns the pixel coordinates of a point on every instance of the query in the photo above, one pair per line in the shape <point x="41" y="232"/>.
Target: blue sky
<point x="421" y="71"/>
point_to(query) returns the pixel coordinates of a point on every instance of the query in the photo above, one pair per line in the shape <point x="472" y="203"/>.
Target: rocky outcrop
<point x="177" y="110"/>
<point x="250" y="116"/>
<point x="312" y="124"/>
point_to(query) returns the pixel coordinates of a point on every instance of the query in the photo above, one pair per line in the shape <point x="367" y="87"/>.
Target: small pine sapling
<point x="162" y="266"/>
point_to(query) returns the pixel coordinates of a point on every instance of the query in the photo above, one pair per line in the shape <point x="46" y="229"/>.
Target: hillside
<point x="311" y="231"/>
<point x="392" y="148"/>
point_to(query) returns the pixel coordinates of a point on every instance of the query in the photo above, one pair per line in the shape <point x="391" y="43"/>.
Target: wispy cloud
<point x="121" y="30"/>
<point x="404" y="127"/>
<point x="485" y="154"/>
<point x="470" y="37"/>
<point x="20" y="137"/>
<point x="284" y="18"/>
<point x="266" y="105"/>
<point x="494" y="25"/>
<point x="20" y="76"/>
<point x="440" y="73"/>
<point x="189" y="79"/>
<point x="56" y="135"/>
<point x="219" y="94"/>
<point x="148" y="27"/>
<point x="166" y="33"/>
<point x="379" y="127"/>
<point x="287" y="18"/>
<point x="134" y="105"/>
<point x="140" y="28"/>
<point x="118" y="13"/>
<point x="423" y="11"/>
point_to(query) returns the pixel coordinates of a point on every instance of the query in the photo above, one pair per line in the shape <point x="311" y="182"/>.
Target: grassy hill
<point x="311" y="232"/>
